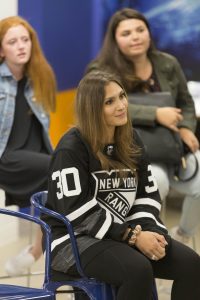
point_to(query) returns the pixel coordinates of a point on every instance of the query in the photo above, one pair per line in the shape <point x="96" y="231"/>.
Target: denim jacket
<point x="8" y="91"/>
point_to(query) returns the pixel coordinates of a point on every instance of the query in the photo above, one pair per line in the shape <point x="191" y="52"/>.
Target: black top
<point x="99" y="203"/>
<point x="26" y="130"/>
<point x="25" y="162"/>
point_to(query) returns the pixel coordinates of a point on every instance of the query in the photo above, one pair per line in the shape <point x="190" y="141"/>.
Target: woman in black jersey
<point x="101" y="180"/>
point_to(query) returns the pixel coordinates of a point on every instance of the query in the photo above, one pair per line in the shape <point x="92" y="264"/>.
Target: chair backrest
<point x="94" y="289"/>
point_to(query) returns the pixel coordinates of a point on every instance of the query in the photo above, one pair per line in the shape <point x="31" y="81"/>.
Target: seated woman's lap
<point x="127" y="268"/>
<point x="116" y="263"/>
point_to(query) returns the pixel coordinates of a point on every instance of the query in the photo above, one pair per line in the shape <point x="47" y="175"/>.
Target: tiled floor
<point x="8" y="250"/>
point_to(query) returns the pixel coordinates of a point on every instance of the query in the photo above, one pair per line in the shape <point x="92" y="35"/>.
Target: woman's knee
<point x="190" y="187"/>
<point x="139" y="271"/>
<point x="187" y="261"/>
<point x="161" y="175"/>
<point x="192" y="264"/>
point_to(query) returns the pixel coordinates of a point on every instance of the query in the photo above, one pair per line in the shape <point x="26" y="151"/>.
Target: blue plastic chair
<point x="95" y="289"/>
<point x="7" y="291"/>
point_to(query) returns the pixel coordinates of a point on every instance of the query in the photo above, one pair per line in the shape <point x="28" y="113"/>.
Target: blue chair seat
<point x="8" y="291"/>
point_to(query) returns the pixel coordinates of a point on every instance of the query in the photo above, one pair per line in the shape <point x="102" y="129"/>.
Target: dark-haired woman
<point x="102" y="181"/>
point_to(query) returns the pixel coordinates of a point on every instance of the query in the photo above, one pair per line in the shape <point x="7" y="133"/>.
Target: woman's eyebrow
<point x="115" y="96"/>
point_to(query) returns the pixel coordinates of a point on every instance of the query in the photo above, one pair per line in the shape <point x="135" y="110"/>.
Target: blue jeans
<point x="191" y="189"/>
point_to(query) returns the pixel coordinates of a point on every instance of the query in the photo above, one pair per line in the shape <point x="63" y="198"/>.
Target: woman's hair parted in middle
<point x="110" y="56"/>
<point x="90" y="121"/>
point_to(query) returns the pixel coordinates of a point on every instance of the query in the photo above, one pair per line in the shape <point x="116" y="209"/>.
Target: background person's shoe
<point x="19" y="264"/>
<point x="177" y="235"/>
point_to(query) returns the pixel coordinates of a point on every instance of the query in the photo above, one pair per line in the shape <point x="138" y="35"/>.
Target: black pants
<point x="133" y="273"/>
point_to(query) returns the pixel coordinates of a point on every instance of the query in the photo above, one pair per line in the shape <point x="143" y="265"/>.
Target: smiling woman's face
<point x="132" y="37"/>
<point x="114" y="107"/>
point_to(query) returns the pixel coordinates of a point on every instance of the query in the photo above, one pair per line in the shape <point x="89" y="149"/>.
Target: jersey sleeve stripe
<point x="140" y="215"/>
<point x="81" y="210"/>
<point x="59" y="241"/>
<point x="100" y="234"/>
<point x="148" y="201"/>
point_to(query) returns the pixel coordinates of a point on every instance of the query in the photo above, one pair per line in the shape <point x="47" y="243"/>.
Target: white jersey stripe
<point x="104" y="228"/>
<point x="99" y="235"/>
<point x="148" y="201"/>
<point x="60" y="240"/>
<point x="144" y="215"/>
<point x="81" y="210"/>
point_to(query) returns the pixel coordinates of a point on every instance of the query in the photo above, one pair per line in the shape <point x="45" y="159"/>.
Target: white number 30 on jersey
<point x="62" y="185"/>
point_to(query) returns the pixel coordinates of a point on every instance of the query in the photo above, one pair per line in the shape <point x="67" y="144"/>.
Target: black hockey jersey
<point x="99" y="203"/>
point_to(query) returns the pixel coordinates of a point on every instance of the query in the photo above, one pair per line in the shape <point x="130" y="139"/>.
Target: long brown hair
<point x="37" y="68"/>
<point x="111" y="58"/>
<point x="89" y="113"/>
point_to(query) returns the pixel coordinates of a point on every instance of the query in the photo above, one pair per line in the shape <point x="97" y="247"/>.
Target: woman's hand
<point x="151" y="244"/>
<point x="189" y="139"/>
<point x="169" y="117"/>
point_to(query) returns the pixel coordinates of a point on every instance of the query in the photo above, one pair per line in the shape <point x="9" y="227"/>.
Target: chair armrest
<point x="38" y="200"/>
